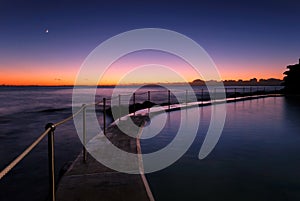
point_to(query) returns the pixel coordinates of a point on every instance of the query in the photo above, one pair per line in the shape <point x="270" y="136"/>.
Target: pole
<point x="169" y="98"/>
<point x="186" y="97"/>
<point x="84" y="132"/>
<point x="148" y="101"/>
<point x="119" y="107"/>
<point x="234" y="93"/>
<point x="215" y="94"/>
<point x="104" y="116"/>
<point x="133" y="104"/>
<point x="202" y="96"/>
<point x="51" y="161"/>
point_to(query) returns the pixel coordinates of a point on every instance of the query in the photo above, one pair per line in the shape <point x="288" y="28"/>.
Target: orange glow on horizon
<point x="33" y="74"/>
<point x="50" y="78"/>
<point x="30" y="73"/>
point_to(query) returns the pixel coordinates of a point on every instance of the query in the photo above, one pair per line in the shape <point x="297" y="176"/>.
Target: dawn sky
<point x="45" y="42"/>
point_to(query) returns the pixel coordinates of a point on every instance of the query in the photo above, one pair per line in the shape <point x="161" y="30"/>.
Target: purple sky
<point x="245" y="38"/>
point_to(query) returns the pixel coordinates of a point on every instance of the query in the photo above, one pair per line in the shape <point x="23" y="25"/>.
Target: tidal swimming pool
<point x="256" y="158"/>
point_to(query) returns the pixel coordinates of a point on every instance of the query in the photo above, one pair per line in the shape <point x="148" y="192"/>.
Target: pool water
<point x="256" y="158"/>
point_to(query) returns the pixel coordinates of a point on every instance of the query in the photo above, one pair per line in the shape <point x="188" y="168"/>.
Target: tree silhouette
<point x="292" y="79"/>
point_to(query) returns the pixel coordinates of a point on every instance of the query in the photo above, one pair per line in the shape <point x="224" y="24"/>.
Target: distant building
<point x="292" y="79"/>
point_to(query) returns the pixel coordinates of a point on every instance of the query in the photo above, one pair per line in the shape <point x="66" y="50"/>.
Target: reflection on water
<point x="256" y="158"/>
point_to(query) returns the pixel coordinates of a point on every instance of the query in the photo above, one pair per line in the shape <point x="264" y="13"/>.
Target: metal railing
<point x="50" y="127"/>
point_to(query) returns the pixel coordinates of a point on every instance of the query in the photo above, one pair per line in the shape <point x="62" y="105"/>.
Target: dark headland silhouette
<point x="251" y="82"/>
<point x="292" y="79"/>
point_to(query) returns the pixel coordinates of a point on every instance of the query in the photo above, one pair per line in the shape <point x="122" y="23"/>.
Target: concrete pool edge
<point x="94" y="181"/>
<point x="141" y="166"/>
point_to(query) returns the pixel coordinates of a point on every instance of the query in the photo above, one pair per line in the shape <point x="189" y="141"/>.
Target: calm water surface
<point x="262" y="134"/>
<point x="257" y="157"/>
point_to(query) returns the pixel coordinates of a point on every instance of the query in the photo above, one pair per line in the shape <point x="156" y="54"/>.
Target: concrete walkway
<point x="92" y="181"/>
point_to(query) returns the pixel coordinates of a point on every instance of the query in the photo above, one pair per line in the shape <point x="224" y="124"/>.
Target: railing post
<point x="51" y="161"/>
<point x="149" y="101"/>
<point x="250" y="91"/>
<point x="84" y="132"/>
<point x="104" y="116"/>
<point x="243" y="91"/>
<point x="186" y="97"/>
<point x="235" y="93"/>
<point x="202" y="95"/>
<point x="169" y="98"/>
<point x="133" y="104"/>
<point x="119" y="107"/>
<point x="215" y="94"/>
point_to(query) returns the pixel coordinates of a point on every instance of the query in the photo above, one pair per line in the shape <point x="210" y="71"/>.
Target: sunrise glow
<point x="33" y="73"/>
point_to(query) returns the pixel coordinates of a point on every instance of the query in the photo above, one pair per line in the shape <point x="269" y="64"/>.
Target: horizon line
<point x="239" y="81"/>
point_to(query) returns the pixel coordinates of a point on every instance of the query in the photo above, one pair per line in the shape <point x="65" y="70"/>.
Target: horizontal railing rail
<point x="149" y="95"/>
